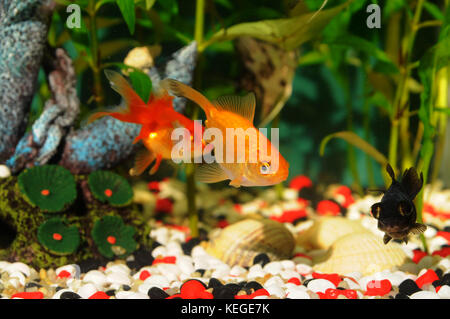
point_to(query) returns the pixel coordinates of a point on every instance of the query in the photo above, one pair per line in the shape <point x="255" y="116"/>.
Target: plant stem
<point x="190" y="167"/>
<point x="279" y="188"/>
<point x="96" y="69"/>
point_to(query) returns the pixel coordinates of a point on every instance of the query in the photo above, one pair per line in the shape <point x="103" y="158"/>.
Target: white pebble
<point x="4" y="171"/>
<point x="256" y="271"/>
<point x="131" y="295"/>
<point x="186" y="266"/>
<point x="430" y="232"/>
<point x="288" y="274"/>
<point x="274" y="280"/>
<point x="275" y="290"/>
<point x="198" y="251"/>
<point x="273" y="267"/>
<point x="158" y="281"/>
<point x="320" y="285"/>
<point x="159" y="251"/>
<point x="444" y="292"/>
<point x="237" y="271"/>
<point x="288" y="264"/>
<point x="69" y="268"/>
<point x="118" y="268"/>
<point x="297" y="293"/>
<point x="18" y="266"/>
<point x="352" y="284"/>
<point x="116" y="279"/>
<point x="424" y="295"/>
<point x="96" y="277"/>
<point x="303" y="269"/>
<point x="87" y="290"/>
<point x="174" y="249"/>
<point x="170" y="271"/>
<point x="221" y="272"/>
<point x="19" y="275"/>
<point x="444" y="263"/>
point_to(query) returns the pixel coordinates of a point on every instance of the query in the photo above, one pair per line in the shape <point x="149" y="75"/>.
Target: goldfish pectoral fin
<point x="411" y="182"/>
<point x="242" y="105"/>
<point x="418" y="228"/>
<point x="121" y="86"/>
<point x="96" y="116"/>
<point x="386" y="238"/>
<point x="156" y="166"/>
<point x="143" y="159"/>
<point x="210" y="173"/>
<point x="236" y="182"/>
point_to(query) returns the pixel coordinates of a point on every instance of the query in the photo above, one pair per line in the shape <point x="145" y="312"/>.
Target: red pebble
<point x="222" y="223"/>
<point x="328" y="207"/>
<point x="331" y="293"/>
<point x="347" y="193"/>
<point x="165" y="260"/>
<point x="164" y="205"/>
<point x="28" y="295"/>
<point x="334" y="278"/>
<point x="290" y="216"/>
<point x="144" y="275"/>
<point x="349" y="293"/>
<point x="418" y="255"/>
<point x="295" y="281"/>
<point x="378" y="287"/>
<point x="444" y="234"/>
<point x="238" y="208"/>
<point x="64" y="274"/>
<point x="259" y="292"/>
<point x="153" y="186"/>
<point x="444" y="252"/>
<point x="299" y="182"/>
<point x="99" y="295"/>
<point x="194" y="289"/>
<point x="302" y="255"/>
<point x="427" y="278"/>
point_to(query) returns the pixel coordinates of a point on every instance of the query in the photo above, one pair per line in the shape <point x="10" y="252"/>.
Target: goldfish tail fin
<point x="121" y="86"/>
<point x="411" y="182"/>
<point x="180" y="89"/>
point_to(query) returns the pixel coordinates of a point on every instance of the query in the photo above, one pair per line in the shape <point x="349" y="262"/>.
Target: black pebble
<point x="214" y="283"/>
<point x="32" y="284"/>
<point x="253" y="285"/>
<point x="447" y="229"/>
<point x="142" y="257"/>
<point x="200" y="271"/>
<point x="305" y="283"/>
<point x="444" y="280"/>
<point x="110" y="292"/>
<point x="126" y="287"/>
<point x="157" y="293"/>
<point x="262" y="259"/>
<point x="408" y="287"/>
<point x="227" y="291"/>
<point x="69" y="295"/>
<point x="439" y="273"/>
<point x="401" y="296"/>
<point x="187" y="246"/>
<point x="90" y="264"/>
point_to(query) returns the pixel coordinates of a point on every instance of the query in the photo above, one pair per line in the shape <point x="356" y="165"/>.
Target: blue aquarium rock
<point x="23" y="32"/>
<point x="100" y="144"/>
<point x="39" y="145"/>
<point x="180" y="67"/>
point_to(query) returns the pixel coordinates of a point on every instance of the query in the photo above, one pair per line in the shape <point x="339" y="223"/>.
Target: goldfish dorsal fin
<point x="242" y="105"/>
<point x="390" y="171"/>
<point x="411" y="182"/>
<point x="121" y="86"/>
<point x="180" y="89"/>
<point x="143" y="159"/>
<point x="210" y="173"/>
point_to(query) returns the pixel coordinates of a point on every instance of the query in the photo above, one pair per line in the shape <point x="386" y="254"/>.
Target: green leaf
<point x="127" y="9"/>
<point x="142" y="84"/>
<point x="445" y="110"/>
<point x="434" y="10"/>
<point x="357" y="141"/>
<point x="384" y="63"/>
<point x="287" y="33"/>
<point x="100" y="3"/>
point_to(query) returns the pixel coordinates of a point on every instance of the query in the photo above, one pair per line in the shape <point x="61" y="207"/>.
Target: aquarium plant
<point x="59" y="238"/>
<point x="110" y="187"/>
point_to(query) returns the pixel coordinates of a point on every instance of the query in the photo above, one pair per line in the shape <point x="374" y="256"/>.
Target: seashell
<point x="362" y="252"/>
<point x="239" y="243"/>
<point x="326" y="230"/>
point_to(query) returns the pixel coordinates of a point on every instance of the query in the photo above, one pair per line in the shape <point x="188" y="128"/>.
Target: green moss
<point x="50" y="187"/>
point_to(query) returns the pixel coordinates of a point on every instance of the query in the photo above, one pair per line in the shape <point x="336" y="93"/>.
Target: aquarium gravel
<point x="178" y="266"/>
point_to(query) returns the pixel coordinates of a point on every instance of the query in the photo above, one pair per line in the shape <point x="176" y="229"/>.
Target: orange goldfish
<point x="253" y="168"/>
<point x="157" y="117"/>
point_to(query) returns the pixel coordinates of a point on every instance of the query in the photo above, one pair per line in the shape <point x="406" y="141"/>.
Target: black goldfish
<point x="396" y="213"/>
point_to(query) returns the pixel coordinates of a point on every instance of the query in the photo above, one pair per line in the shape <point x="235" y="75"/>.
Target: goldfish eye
<point x="264" y="168"/>
<point x="404" y="209"/>
<point x="376" y="210"/>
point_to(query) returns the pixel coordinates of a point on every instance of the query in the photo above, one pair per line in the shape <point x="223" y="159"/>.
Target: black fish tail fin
<point x="390" y="171"/>
<point x="411" y="182"/>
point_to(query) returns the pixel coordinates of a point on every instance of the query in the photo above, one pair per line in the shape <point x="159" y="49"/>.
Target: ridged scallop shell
<point x="239" y="243"/>
<point x="326" y="230"/>
<point x="361" y="252"/>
